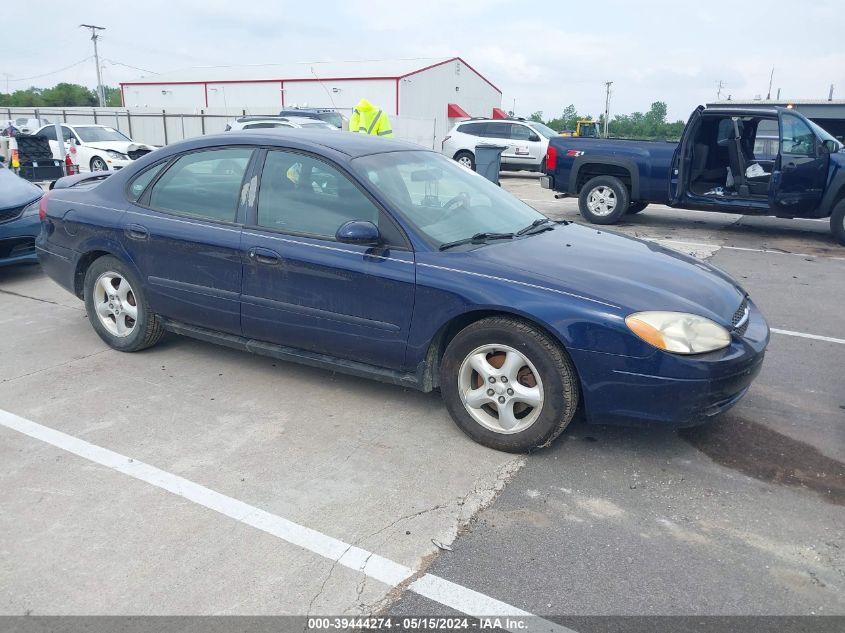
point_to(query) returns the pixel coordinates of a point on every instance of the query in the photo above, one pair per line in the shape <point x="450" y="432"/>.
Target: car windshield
<point x="332" y="118"/>
<point x="445" y="201"/>
<point x="95" y="134"/>
<point x="545" y="130"/>
<point x="319" y="125"/>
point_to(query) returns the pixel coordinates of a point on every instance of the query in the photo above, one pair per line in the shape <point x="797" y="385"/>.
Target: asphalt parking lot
<point x="192" y="479"/>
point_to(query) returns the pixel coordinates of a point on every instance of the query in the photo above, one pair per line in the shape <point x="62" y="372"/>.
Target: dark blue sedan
<point x="381" y="259"/>
<point x="18" y="218"/>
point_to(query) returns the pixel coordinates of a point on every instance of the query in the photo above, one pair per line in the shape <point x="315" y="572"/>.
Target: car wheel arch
<point x="430" y="369"/>
<point x="90" y="255"/>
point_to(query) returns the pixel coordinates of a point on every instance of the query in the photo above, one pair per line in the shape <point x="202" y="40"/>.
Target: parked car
<point x="19" y="222"/>
<point x="525" y="142"/>
<point x="724" y="162"/>
<point x="29" y="126"/>
<point x="98" y="147"/>
<point x="378" y="258"/>
<point x="265" y="122"/>
<point x="333" y="117"/>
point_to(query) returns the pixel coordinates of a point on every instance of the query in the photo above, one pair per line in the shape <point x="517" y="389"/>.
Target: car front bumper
<point x="684" y="391"/>
<point x="17" y="240"/>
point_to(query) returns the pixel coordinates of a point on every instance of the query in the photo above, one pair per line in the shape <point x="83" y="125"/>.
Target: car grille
<point x="740" y="319"/>
<point x="135" y="154"/>
<point x="7" y="215"/>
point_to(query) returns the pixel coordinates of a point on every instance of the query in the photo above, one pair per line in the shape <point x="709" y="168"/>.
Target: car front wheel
<point x="466" y="159"/>
<point x="837" y="222"/>
<point x="116" y="307"/>
<point x="98" y="164"/>
<point x="508" y="385"/>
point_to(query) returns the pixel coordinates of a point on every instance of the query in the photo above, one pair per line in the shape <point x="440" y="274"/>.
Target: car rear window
<point x="140" y="182"/>
<point x="476" y="129"/>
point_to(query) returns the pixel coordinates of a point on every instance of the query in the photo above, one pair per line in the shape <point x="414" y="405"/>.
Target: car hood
<point x="15" y="191"/>
<point x="632" y="274"/>
<point x="118" y="146"/>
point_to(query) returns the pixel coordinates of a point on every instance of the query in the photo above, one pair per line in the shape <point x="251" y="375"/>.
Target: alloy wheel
<point x="501" y="389"/>
<point x="115" y="304"/>
<point x="601" y="201"/>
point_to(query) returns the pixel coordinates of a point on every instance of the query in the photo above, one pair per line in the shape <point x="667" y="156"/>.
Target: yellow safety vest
<point x="366" y="119"/>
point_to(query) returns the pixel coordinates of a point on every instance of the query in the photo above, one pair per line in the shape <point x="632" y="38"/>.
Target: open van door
<point x="679" y="170"/>
<point x="800" y="169"/>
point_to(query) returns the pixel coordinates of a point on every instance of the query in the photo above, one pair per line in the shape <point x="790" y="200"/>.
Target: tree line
<point x="651" y="125"/>
<point x="63" y="95"/>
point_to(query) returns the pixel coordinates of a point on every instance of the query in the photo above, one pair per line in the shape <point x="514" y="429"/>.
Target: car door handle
<point x="264" y="256"/>
<point x="136" y="232"/>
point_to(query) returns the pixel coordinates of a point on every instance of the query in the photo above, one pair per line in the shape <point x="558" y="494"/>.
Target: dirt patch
<point x="760" y="452"/>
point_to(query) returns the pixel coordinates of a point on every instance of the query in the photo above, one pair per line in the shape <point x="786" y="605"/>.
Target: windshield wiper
<point x="534" y="225"/>
<point x="478" y="238"/>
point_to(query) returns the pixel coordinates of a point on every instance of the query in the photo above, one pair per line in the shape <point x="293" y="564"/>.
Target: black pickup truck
<point x="754" y="161"/>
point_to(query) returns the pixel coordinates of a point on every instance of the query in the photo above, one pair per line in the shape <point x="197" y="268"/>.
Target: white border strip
<point x="372" y="565"/>
<point x="815" y="337"/>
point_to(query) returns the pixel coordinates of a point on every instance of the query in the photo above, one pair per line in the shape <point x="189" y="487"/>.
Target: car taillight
<point x="42" y="208"/>
<point x="443" y="142"/>
<point x="551" y="159"/>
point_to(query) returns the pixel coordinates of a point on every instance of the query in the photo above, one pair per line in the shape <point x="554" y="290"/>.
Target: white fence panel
<point x="161" y="127"/>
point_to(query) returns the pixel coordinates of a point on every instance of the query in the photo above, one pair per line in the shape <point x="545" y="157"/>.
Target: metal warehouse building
<point x="439" y="89"/>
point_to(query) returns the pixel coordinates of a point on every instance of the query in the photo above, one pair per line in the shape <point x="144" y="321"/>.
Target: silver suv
<point x="526" y="142"/>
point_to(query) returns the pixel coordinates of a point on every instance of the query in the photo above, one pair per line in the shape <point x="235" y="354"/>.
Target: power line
<point x="143" y="70"/>
<point x="54" y="72"/>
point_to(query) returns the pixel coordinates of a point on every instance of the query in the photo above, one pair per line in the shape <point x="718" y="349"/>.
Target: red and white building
<point x="440" y="89"/>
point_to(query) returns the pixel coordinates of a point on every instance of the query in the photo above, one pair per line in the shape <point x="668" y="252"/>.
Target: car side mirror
<point x="359" y="232"/>
<point x="830" y="146"/>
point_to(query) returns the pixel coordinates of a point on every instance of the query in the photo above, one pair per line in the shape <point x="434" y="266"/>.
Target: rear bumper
<point x="57" y="262"/>
<point x="686" y="391"/>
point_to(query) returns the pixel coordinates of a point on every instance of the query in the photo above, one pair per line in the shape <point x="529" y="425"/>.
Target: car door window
<point x="140" y="182"/>
<point x="520" y="133"/>
<point x="67" y="134"/>
<point x="797" y="138"/>
<point x="49" y="133"/>
<point x="498" y="130"/>
<point x="766" y="140"/>
<point x="206" y="184"/>
<point x="475" y="129"/>
<point x="304" y="195"/>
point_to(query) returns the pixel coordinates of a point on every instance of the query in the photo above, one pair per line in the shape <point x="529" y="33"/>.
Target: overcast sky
<point x="543" y="54"/>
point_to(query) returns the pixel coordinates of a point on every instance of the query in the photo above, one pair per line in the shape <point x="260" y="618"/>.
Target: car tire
<point x="604" y="200"/>
<point x="837" y="222"/>
<point x="467" y="159"/>
<point x="636" y="207"/>
<point x="98" y="164"/>
<point x="536" y="370"/>
<point x="117" y="308"/>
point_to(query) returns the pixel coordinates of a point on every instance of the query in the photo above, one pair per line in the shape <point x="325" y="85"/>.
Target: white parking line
<point x="372" y="565"/>
<point x="815" y="337"/>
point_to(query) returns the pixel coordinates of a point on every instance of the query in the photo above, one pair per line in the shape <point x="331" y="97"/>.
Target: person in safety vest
<point x="367" y="119"/>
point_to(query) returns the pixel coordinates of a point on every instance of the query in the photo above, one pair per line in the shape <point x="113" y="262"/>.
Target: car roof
<point x="739" y="110"/>
<point x="351" y="144"/>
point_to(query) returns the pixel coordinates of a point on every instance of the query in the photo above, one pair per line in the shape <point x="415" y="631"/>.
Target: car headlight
<point x="31" y="208"/>
<point x="678" y="332"/>
<point x="117" y="155"/>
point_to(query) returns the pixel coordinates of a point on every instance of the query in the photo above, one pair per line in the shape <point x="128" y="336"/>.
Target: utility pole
<point x="607" y="85"/>
<point x="719" y="90"/>
<point x="101" y="97"/>
<point x="7" y="75"/>
<point x="771" y="77"/>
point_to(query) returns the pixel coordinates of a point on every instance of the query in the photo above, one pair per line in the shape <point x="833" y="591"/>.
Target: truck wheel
<point x="604" y="200"/>
<point x="508" y="385"/>
<point x="636" y="207"/>
<point x="837" y="222"/>
<point x="466" y="159"/>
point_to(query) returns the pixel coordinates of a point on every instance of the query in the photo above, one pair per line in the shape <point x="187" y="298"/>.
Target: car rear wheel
<point x="98" y="164"/>
<point x="466" y="159"/>
<point x="508" y="385"/>
<point x="116" y="307"/>
<point x="837" y="222"/>
<point x="604" y="200"/>
<point x="636" y="207"/>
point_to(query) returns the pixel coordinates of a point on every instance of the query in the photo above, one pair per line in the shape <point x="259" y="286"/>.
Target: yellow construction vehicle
<point x="589" y="129"/>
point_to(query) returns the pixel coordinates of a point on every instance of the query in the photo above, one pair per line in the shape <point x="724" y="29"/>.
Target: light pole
<point x="101" y="97"/>
<point x="607" y="85"/>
